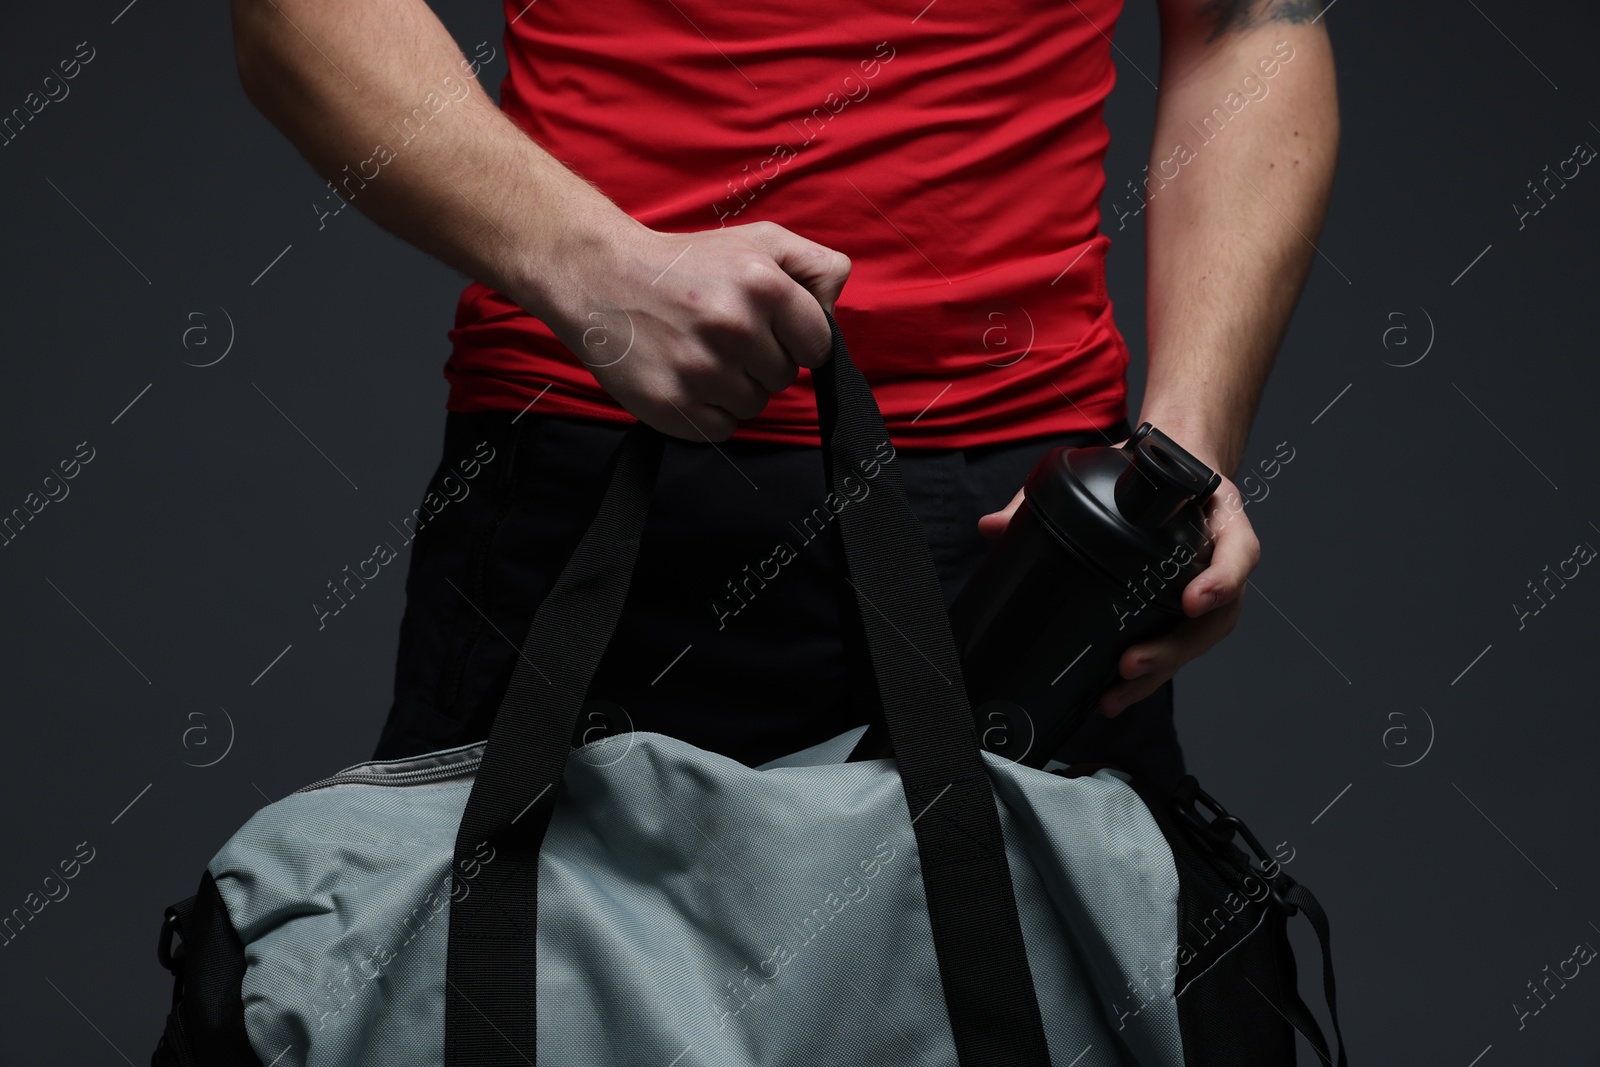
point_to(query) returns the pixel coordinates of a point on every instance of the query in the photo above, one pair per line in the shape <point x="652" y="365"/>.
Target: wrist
<point x="557" y="274"/>
<point x="1214" y="445"/>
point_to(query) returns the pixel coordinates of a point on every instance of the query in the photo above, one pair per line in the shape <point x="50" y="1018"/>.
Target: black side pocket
<point x="1236" y="970"/>
<point x="206" y="1025"/>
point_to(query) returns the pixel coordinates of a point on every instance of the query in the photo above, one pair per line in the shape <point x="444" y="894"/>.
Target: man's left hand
<point x="1212" y="601"/>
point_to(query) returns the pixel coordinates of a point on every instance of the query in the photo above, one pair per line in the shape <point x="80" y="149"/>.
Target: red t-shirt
<point x="954" y="155"/>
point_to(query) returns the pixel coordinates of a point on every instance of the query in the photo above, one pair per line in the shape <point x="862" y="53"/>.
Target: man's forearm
<point x="1240" y="173"/>
<point x="374" y="94"/>
<point x="730" y="326"/>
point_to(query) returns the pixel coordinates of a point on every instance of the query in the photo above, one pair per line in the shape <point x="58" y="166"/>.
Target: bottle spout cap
<point x="1161" y="479"/>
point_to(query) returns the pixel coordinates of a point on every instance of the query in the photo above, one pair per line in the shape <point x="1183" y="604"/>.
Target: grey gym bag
<point x="639" y="901"/>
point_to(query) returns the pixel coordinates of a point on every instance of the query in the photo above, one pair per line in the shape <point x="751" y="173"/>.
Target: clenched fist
<point x="692" y="332"/>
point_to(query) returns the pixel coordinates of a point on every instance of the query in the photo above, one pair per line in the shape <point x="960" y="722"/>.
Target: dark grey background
<point x="144" y="608"/>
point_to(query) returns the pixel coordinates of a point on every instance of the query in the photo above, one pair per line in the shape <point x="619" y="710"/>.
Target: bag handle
<point x="491" y="988"/>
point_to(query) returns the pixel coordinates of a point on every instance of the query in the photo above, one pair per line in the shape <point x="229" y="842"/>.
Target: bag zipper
<point x="362" y="774"/>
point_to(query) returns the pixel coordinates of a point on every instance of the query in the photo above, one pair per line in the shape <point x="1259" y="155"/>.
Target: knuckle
<point x="757" y="273"/>
<point x="724" y="319"/>
<point x="673" y="398"/>
<point x="718" y="424"/>
<point x="695" y="368"/>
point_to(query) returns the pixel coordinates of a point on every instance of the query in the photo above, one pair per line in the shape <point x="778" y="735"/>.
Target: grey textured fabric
<point x="695" y="911"/>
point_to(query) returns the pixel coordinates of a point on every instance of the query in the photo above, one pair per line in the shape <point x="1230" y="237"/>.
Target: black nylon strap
<point x="1296" y="1009"/>
<point x="994" y="1012"/>
<point x="491" y="985"/>
<point x="491" y="989"/>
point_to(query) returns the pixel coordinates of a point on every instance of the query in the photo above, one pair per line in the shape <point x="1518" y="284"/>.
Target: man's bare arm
<point x="1246" y="134"/>
<point x="473" y="190"/>
<point x="1236" y="198"/>
<point x="710" y="341"/>
<point x="1241" y="166"/>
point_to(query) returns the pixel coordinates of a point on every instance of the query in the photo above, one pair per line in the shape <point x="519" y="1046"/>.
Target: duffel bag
<point x="635" y="900"/>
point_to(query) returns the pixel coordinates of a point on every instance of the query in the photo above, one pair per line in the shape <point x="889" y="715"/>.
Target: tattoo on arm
<point x="1231" y="16"/>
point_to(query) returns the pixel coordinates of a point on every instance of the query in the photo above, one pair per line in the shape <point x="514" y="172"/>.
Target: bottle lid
<point x="1161" y="479"/>
<point x="1127" y="507"/>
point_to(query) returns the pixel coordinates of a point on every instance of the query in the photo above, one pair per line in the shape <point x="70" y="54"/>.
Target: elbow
<point x="253" y="46"/>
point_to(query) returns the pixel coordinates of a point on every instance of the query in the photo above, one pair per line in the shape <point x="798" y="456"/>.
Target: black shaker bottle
<point x="1095" y="559"/>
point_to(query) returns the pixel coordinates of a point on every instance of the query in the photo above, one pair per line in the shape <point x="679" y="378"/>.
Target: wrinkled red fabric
<point x="955" y="156"/>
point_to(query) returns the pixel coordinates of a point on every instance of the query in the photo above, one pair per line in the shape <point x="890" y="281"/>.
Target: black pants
<point x="752" y="670"/>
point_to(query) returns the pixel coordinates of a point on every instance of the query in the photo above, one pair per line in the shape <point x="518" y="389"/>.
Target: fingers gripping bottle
<point x="1094" y="560"/>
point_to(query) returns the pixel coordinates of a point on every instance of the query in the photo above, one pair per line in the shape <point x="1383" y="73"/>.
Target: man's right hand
<point x="693" y="332"/>
<point x="712" y="323"/>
